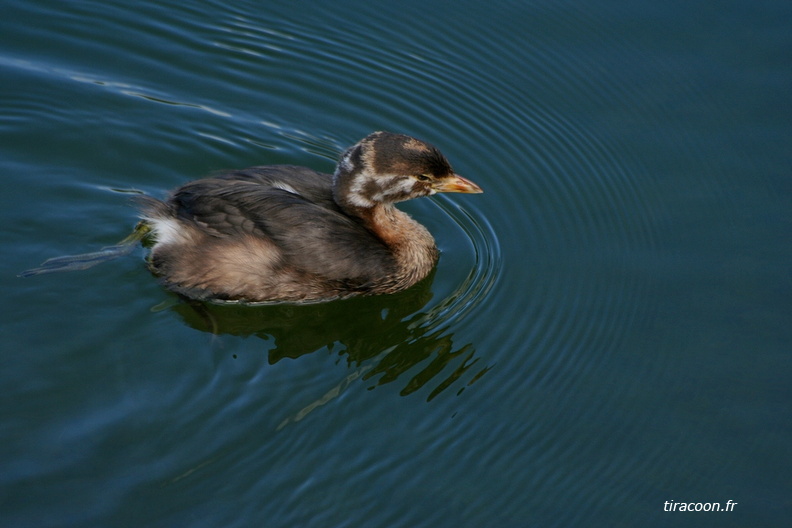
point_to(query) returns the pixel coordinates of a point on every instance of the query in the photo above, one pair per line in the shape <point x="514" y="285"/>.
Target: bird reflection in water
<point x="383" y="337"/>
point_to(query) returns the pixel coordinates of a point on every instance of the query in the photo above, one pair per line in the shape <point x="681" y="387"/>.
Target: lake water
<point x="607" y="332"/>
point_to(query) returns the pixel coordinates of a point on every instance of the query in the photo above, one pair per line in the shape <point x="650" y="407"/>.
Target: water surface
<point x="607" y="328"/>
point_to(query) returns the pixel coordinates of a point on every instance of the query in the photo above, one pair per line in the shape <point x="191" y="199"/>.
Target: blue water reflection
<point x="606" y="329"/>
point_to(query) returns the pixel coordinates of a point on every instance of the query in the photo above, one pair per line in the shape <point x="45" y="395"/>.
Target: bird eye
<point x="423" y="177"/>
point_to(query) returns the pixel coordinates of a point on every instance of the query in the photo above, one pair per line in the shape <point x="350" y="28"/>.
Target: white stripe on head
<point x="356" y="192"/>
<point x="392" y="187"/>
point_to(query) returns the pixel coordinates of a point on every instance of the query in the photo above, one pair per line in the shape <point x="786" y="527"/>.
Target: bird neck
<point x="411" y="243"/>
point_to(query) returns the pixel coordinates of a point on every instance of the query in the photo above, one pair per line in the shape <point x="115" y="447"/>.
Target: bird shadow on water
<point x="384" y="338"/>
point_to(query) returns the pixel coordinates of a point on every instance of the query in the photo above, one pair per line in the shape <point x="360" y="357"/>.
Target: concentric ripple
<point x="561" y="213"/>
<point x="547" y="245"/>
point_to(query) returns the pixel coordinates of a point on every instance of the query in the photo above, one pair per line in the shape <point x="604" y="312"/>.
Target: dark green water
<point x="608" y="328"/>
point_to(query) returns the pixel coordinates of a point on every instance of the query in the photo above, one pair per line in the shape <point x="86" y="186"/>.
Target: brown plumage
<point x="289" y="234"/>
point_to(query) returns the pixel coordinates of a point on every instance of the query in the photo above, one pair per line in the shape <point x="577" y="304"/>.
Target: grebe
<point x="283" y="233"/>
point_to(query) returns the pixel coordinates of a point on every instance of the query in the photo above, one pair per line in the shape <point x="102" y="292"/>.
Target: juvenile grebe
<point x="282" y="233"/>
<point x="288" y="233"/>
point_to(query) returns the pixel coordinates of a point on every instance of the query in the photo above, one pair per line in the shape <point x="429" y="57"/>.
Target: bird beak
<point x="456" y="183"/>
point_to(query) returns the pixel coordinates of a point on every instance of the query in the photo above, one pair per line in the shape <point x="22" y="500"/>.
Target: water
<point x="607" y="329"/>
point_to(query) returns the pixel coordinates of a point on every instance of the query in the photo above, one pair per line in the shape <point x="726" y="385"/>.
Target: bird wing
<point x="296" y="214"/>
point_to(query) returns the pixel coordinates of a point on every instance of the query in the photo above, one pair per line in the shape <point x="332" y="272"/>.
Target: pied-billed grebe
<point x="287" y="233"/>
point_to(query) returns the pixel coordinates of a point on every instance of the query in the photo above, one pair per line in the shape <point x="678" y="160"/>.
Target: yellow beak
<point x="456" y="183"/>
